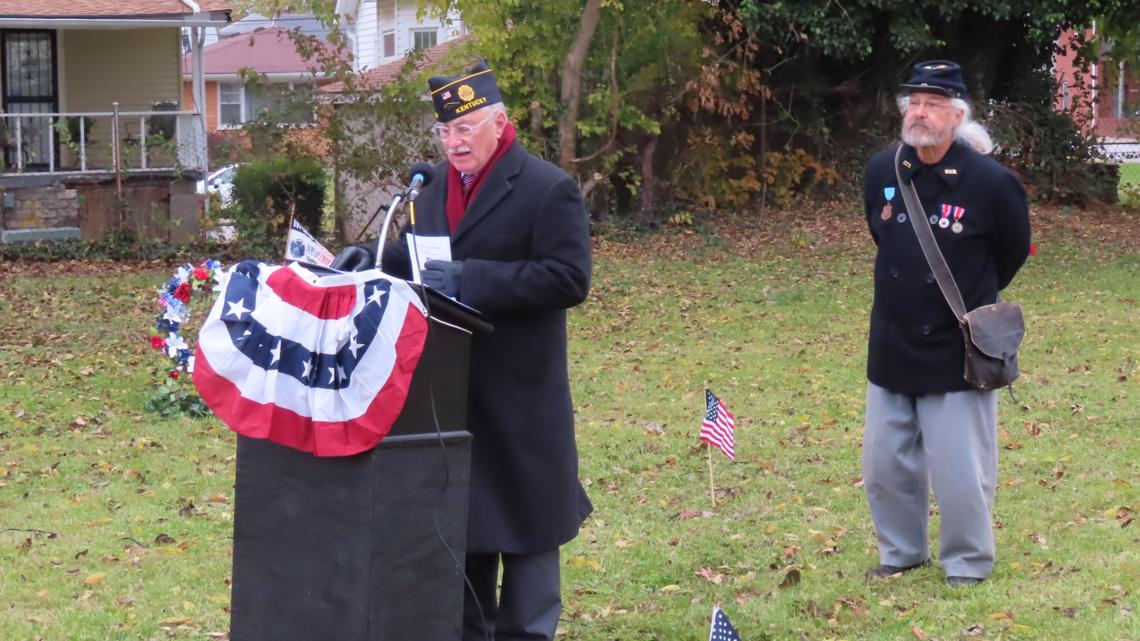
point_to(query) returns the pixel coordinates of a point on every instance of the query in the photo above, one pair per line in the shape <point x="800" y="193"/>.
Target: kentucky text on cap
<point x="459" y="95"/>
<point x="936" y="76"/>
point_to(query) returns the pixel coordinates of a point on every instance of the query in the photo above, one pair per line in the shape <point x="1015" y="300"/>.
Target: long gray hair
<point x="969" y="132"/>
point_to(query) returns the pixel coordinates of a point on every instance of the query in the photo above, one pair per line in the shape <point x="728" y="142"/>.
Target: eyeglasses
<point x="443" y="132"/>
<point x="929" y="105"/>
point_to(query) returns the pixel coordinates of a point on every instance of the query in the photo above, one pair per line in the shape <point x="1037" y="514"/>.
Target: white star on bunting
<point x="238" y="308"/>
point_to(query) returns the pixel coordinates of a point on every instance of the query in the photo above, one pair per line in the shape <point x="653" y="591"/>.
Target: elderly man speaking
<point x="521" y="248"/>
<point x="925" y="425"/>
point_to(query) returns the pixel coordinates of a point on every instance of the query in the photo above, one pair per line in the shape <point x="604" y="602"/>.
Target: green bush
<point x="1057" y="160"/>
<point x="268" y="191"/>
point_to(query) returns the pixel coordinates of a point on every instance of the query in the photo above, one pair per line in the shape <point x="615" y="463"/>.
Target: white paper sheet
<point x="425" y="248"/>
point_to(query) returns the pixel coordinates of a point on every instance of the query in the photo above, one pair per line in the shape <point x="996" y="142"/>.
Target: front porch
<point x="92" y="133"/>
<point x="110" y="143"/>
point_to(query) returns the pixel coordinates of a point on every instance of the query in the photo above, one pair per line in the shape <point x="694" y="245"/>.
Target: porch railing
<point x="101" y="142"/>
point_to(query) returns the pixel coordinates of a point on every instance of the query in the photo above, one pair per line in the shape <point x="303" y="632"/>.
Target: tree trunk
<point x="571" y="90"/>
<point x="648" y="180"/>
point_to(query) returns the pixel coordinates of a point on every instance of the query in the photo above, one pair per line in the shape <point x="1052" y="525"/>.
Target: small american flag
<point x="717" y="428"/>
<point x="721" y="629"/>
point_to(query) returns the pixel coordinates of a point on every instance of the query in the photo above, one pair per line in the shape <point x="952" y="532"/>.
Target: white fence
<point x="101" y="142"/>
<point x="1127" y="151"/>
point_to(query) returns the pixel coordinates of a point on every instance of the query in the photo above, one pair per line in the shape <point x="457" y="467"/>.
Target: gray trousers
<point x="945" y="440"/>
<point x="525" y="609"/>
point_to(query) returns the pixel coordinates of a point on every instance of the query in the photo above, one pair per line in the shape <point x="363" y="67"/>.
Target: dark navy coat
<point x="525" y="246"/>
<point x="915" y="344"/>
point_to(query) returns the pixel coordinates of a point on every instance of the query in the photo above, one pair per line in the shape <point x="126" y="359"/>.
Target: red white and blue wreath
<point x="174" y="311"/>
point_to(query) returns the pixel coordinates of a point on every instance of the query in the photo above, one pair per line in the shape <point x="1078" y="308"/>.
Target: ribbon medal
<point x="957" y="212"/>
<point x="889" y="194"/>
<point x="943" y="222"/>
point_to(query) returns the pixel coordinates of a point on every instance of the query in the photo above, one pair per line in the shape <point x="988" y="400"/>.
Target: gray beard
<point x="915" y="139"/>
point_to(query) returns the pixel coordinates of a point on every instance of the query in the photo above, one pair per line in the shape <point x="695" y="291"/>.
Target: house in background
<point x="364" y="201"/>
<point x="282" y="71"/>
<point x="91" y="132"/>
<point x="383" y="31"/>
<point x="1105" y="100"/>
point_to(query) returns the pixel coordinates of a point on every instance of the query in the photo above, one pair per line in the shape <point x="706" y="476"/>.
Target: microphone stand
<point x="392" y="207"/>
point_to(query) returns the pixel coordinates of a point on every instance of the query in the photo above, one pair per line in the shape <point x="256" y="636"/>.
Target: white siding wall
<point x="375" y="17"/>
<point x="406" y="22"/>
<point x="367" y="38"/>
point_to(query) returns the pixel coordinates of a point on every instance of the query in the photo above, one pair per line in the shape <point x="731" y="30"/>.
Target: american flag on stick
<point x="717" y="428"/>
<point x="721" y="629"/>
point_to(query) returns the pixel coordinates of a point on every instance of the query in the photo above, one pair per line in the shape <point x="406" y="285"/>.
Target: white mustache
<point x="459" y="150"/>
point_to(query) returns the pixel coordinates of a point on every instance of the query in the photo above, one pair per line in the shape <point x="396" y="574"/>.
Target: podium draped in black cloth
<point x="367" y="547"/>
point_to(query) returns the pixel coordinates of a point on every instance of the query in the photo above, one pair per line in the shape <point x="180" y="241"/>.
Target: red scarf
<point x="457" y="201"/>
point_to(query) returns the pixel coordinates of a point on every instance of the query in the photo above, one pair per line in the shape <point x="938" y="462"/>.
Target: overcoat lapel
<point x="494" y="190"/>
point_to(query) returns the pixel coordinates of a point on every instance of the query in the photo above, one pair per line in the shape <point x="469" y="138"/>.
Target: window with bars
<point x="424" y="38"/>
<point x="29" y="83"/>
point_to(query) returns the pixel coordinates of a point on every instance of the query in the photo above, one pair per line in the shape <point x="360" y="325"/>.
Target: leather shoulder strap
<point x="930" y="248"/>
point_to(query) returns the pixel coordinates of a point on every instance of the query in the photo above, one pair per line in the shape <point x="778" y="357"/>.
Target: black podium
<point x="367" y="547"/>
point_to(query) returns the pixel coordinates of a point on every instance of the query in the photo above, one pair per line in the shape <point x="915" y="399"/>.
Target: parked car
<point x="220" y="182"/>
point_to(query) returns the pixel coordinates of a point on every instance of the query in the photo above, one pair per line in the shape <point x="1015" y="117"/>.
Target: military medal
<point x="889" y="195"/>
<point x="957" y="226"/>
<point x="943" y="222"/>
<point x="901" y="217"/>
<point x="933" y="219"/>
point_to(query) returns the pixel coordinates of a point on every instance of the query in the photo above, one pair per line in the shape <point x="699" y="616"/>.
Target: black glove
<point x="354" y="258"/>
<point x="444" y="276"/>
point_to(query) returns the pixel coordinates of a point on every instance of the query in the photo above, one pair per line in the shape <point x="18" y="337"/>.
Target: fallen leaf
<point x="1001" y="616"/>
<point x="94" y="579"/>
<point x="582" y="562"/>
<point x="918" y="632"/>
<point x="791" y="579"/>
<point x="711" y="576"/>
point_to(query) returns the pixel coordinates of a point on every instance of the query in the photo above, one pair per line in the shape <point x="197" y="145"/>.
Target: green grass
<point x="771" y="316"/>
<point x="1129" y="189"/>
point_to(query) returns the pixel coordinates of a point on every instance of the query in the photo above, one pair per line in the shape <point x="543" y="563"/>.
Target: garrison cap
<point x="455" y="96"/>
<point x="936" y="76"/>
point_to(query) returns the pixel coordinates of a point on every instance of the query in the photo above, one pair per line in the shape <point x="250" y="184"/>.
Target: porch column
<point x="198" y="87"/>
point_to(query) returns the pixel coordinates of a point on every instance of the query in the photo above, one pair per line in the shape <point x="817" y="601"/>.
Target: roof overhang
<point x="204" y="19"/>
<point x="276" y="76"/>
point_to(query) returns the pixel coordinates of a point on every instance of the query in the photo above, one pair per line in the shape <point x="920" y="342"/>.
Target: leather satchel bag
<point x="992" y="333"/>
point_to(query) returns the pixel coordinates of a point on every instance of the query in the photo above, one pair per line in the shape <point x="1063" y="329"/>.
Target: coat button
<point x="894" y="273"/>
<point x="926" y="329"/>
<point x="929" y="278"/>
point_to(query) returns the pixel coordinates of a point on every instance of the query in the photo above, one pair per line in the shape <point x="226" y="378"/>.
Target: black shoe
<point x="883" y="571"/>
<point x="963" y="581"/>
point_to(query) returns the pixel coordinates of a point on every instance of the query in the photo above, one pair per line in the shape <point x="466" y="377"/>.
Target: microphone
<point x="420" y="177"/>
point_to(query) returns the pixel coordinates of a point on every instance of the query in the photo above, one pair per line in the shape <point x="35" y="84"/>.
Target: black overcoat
<point x="915" y="344"/>
<point x="525" y="245"/>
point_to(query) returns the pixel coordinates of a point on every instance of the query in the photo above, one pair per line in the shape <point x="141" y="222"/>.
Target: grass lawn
<point x="116" y="524"/>
<point x="1129" y="182"/>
